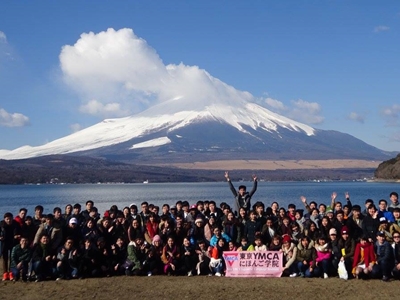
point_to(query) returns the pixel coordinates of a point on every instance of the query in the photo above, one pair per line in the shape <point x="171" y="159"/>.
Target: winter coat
<point x="306" y="254"/>
<point x="289" y="255"/>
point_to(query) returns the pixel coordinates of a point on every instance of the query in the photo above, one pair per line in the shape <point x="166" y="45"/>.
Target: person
<point x="232" y="228"/>
<point x="306" y="258"/>
<point x="355" y="221"/>
<point x="217" y="263"/>
<point x="371" y="223"/>
<point x="364" y="258"/>
<point x="396" y="250"/>
<point x="67" y="212"/>
<point x="204" y="258"/>
<point x="120" y="260"/>
<point x="245" y="245"/>
<point x="9" y="229"/>
<point x="151" y="228"/>
<point x="383" y="212"/>
<point x="258" y="244"/>
<point x="218" y="234"/>
<point x="90" y="231"/>
<point x="67" y="260"/>
<point x="268" y="231"/>
<point x="384" y="258"/>
<point x="86" y="213"/>
<point x="136" y="256"/>
<point x="394" y="199"/>
<point x="20" y="257"/>
<point x="55" y="234"/>
<point x="38" y="218"/>
<point x="252" y="227"/>
<point x="242" y="197"/>
<point x="324" y="253"/>
<point x="289" y="250"/>
<point x="43" y="259"/>
<point x="134" y="230"/>
<point x="347" y="246"/>
<point x="170" y="257"/>
<point x="87" y="260"/>
<point x="312" y="231"/>
<point x="188" y="258"/>
<point x="276" y="243"/>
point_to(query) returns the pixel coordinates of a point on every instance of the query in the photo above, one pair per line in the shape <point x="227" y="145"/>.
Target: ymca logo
<point x="231" y="258"/>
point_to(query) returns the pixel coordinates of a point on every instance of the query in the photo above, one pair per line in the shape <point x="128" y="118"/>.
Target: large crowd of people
<point x="189" y="239"/>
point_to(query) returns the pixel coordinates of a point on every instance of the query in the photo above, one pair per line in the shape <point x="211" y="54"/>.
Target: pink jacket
<point x="323" y="252"/>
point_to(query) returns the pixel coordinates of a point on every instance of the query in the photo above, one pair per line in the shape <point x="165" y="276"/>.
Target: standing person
<point x="347" y="246"/>
<point x="242" y="198"/>
<point x="8" y="229"/>
<point x="371" y="223"/>
<point x="394" y="199"/>
<point x="67" y="212"/>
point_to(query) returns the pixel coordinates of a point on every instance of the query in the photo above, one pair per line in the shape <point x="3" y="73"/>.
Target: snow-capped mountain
<point x="177" y="130"/>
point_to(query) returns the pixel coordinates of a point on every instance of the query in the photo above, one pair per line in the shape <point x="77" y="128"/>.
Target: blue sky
<point x="334" y="65"/>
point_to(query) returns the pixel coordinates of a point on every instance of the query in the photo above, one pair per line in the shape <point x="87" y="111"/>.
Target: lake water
<point x="13" y="197"/>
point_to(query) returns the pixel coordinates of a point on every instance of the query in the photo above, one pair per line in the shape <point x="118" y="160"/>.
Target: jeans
<point x="17" y="271"/>
<point x="42" y="269"/>
<point x="305" y="269"/>
<point x="323" y="267"/>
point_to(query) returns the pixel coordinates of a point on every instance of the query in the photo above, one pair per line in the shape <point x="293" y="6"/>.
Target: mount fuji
<point x="178" y="130"/>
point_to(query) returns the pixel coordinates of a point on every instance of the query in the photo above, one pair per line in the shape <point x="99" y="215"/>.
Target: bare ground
<point x="164" y="287"/>
<point x="277" y="164"/>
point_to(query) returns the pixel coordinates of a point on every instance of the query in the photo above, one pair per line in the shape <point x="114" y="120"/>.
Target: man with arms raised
<point x="242" y="198"/>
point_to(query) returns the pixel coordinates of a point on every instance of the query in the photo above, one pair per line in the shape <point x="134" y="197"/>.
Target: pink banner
<point x="253" y="263"/>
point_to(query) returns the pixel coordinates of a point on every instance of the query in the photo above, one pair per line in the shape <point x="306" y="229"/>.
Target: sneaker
<point x="385" y="278"/>
<point x="218" y="274"/>
<point x="326" y="276"/>
<point x="210" y="274"/>
<point x="59" y="278"/>
<point x="293" y="275"/>
<point x="149" y="273"/>
<point x="190" y="273"/>
<point x="5" y="276"/>
<point x="301" y="274"/>
<point x="11" y="276"/>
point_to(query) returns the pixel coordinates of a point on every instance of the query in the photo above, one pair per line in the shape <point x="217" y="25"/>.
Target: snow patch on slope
<point x="152" y="143"/>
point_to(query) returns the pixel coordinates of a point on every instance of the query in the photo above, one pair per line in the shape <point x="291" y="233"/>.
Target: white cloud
<point x="306" y="112"/>
<point x="94" y="107"/>
<point x="125" y="75"/>
<point x="75" y="127"/>
<point x="391" y="115"/>
<point x="12" y="119"/>
<point x="3" y="37"/>
<point x="275" y="104"/>
<point x="356" y="117"/>
<point x="381" y="28"/>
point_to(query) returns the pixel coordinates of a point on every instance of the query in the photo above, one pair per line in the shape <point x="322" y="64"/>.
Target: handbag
<point x="342" y="271"/>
